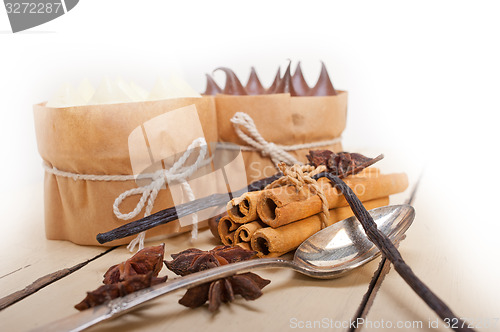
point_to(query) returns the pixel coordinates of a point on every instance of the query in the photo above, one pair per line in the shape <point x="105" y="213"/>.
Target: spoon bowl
<point x="343" y="246"/>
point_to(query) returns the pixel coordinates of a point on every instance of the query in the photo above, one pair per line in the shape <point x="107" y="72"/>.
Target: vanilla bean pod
<point x="179" y="211"/>
<point x="176" y="212"/>
<point x="391" y="252"/>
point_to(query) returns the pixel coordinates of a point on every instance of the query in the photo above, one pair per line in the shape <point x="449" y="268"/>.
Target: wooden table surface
<point x="452" y="246"/>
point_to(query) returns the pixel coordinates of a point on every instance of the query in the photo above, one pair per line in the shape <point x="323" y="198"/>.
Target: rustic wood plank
<point x="25" y="253"/>
<point x="289" y="296"/>
<point x="289" y="301"/>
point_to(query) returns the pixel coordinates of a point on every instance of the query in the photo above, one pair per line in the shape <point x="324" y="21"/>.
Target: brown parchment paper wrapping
<point x="284" y="120"/>
<point x="93" y="139"/>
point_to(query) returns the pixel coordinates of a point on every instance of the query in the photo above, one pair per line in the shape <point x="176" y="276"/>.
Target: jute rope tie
<point x="300" y="176"/>
<point x="178" y="173"/>
<point x="277" y="153"/>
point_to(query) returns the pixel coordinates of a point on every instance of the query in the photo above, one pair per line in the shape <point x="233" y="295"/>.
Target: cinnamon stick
<point x="271" y="242"/>
<point x="213" y="224"/>
<point x="283" y="205"/>
<point x="243" y="209"/>
<point x="244" y="245"/>
<point x="244" y="232"/>
<point x="227" y="228"/>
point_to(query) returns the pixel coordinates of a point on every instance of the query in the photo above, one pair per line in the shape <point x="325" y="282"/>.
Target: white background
<point x="423" y="77"/>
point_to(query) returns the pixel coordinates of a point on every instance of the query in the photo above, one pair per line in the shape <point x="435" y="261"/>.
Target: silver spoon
<point x="327" y="254"/>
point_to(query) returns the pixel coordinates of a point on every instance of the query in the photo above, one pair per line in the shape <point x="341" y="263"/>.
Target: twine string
<point x="300" y="176"/>
<point x="245" y="128"/>
<point x="178" y="173"/>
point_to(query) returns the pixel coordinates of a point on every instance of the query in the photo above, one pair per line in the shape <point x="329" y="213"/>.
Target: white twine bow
<point x="276" y="152"/>
<point x="178" y="173"/>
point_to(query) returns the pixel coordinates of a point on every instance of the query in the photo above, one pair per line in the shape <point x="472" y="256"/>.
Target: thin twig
<point x="391" y="252"/>
<point x="44" y="281"/>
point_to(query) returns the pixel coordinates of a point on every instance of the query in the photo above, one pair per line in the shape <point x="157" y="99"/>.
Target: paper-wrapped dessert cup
<point x="93" y="140"/>
<point x="283" y="120"/>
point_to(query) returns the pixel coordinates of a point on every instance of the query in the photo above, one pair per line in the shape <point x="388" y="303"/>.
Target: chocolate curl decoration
<point x="324" y="86"/>
<point x="285" y="85"/>
<point x="233" y="84"/>
<point x="299" y="82"/>
<point x="212" y="87"/>
<point x="275" y="83"/>
<point x="254" y="87"/>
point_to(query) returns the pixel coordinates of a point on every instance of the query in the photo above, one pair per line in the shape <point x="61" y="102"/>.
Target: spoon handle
<point x="87" y="318"/>
<point x="391" y="252"/>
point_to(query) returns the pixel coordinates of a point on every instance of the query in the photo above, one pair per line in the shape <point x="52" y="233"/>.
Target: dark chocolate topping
<point x="296" y="85"/>
<point x="254" y="87"/>
<point x="233" y="85"/>
<point x="212" y="87"/>
<point x="275" y="83"/>
<point x="299" y="83"/>
<point x="324" y="86"/>
<point x="285" y="85"/>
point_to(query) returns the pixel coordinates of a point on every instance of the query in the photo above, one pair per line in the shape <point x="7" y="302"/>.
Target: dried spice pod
<point x="248" y="285"/>
<point x="193" y="260"/>
<point x="147" y="260"/>
<point x="341" y="164"/>
<point x="195" y="296"/>
<point x="233" y="85"/>
<point x="244" y="284"/>
<point x="254" y="86"/>
<point x="324" y="86"/>
<point x="109" y="292"/>
<point x="319" y="157"/>
<point x="212" y="88"/>
<point x="344" y="163"/>
<point x="138" y="272"/>
<point x="299" y="82"/>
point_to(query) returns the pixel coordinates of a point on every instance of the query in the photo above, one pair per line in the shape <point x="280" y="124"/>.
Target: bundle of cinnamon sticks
<point x="275" y="221"/>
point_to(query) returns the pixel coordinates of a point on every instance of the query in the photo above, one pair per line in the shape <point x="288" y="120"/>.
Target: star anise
<point x="144" y="261"/>
<point x="138" y="272"/>
<point x="248" y="285"/>
<point x="341" y="164"/>
<point x="109" y="292"/>
<point x="193" y="260"/>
